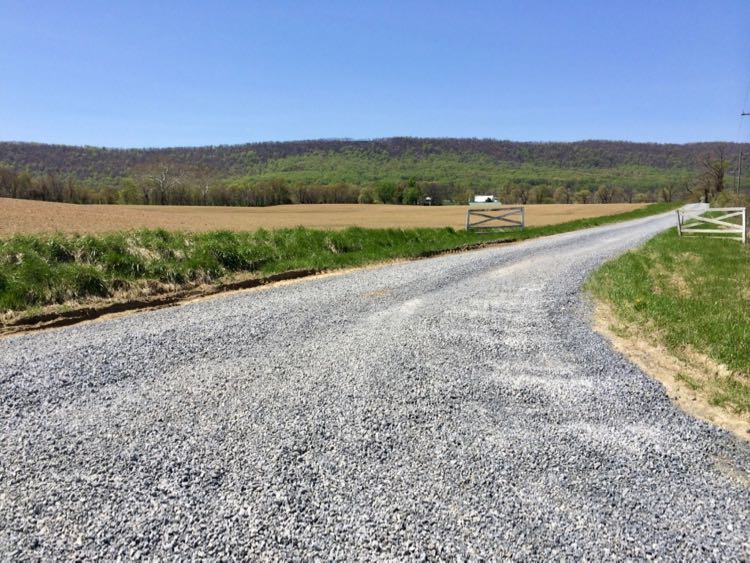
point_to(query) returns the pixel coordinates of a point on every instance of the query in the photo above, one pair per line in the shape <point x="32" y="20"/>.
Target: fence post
<point x="744" y="226"/>
<point x="679" y="223"/>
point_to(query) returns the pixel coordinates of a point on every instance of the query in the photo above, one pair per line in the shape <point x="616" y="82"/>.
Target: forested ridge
<point x="393" y="170"/>
<point x="233" y="160"/>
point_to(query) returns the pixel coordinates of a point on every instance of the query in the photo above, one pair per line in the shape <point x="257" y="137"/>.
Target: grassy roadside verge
<point x="691" y="296"/>
<point x="42" y="271"/>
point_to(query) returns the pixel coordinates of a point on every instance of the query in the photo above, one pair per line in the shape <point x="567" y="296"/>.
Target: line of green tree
<point x="407" y="171"/>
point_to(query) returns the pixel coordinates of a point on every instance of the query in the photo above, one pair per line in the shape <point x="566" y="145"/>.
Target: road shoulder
<point x="675" y="374"/>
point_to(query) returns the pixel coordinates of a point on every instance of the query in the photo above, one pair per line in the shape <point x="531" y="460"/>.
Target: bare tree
<point x="617" y="195"/>
<point x="161" y="178"/>
<point x="604" y="194"/>
<point x="202" y="178"/>
<point x="561" y="195"/>
<point x="711" y="180"/>
<point x="537" y="194"/>
<point x="520" y="194"/>
<point x="667" y="192"/>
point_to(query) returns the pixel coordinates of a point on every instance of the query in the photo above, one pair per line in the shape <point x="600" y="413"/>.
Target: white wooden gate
<point x="723" y="222"/>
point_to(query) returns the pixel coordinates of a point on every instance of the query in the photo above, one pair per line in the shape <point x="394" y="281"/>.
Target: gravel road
<point x="459" y="407"/>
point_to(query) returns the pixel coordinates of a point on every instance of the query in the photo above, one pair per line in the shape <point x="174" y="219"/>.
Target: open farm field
<point x="27" y="217"/>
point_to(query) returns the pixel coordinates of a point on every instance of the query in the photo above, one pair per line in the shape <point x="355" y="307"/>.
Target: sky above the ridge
<point x="136" y="74"/>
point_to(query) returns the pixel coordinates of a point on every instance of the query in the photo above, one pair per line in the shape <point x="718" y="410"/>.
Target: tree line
<point x="165" y="182"/>
<point x="168" y="187"/>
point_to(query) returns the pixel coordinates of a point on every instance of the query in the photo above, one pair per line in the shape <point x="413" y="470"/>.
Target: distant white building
<point x="485" y="199"/>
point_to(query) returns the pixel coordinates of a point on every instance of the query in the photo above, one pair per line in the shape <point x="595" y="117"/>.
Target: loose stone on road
<point x="456" y="407"/>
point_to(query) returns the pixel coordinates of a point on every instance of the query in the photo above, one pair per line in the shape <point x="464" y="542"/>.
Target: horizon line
<point x="363" y="140"/>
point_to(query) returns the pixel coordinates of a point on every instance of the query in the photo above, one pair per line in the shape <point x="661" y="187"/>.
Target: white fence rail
<point x="723" y="222"/>
<point x="495" y="218"/>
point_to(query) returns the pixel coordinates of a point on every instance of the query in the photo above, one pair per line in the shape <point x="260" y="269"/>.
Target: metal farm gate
<point x="485" y="218"/>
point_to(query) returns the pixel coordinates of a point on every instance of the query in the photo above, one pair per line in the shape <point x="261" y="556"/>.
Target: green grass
<point x="693" y="295"/>
<point x="38" y="271"/>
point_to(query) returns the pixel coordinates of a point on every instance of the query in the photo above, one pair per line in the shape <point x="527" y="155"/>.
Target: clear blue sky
<point x="131" y="73"/>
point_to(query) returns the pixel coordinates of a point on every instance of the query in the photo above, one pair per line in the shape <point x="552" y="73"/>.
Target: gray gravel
<point x="453" y="408"/>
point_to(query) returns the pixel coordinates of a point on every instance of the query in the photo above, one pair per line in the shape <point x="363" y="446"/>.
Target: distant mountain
<point x="395" y="170"/>
<point x="251" y="159"/>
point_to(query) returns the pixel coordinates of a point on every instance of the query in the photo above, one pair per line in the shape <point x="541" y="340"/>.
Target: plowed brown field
<point x="23" y="216"/>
